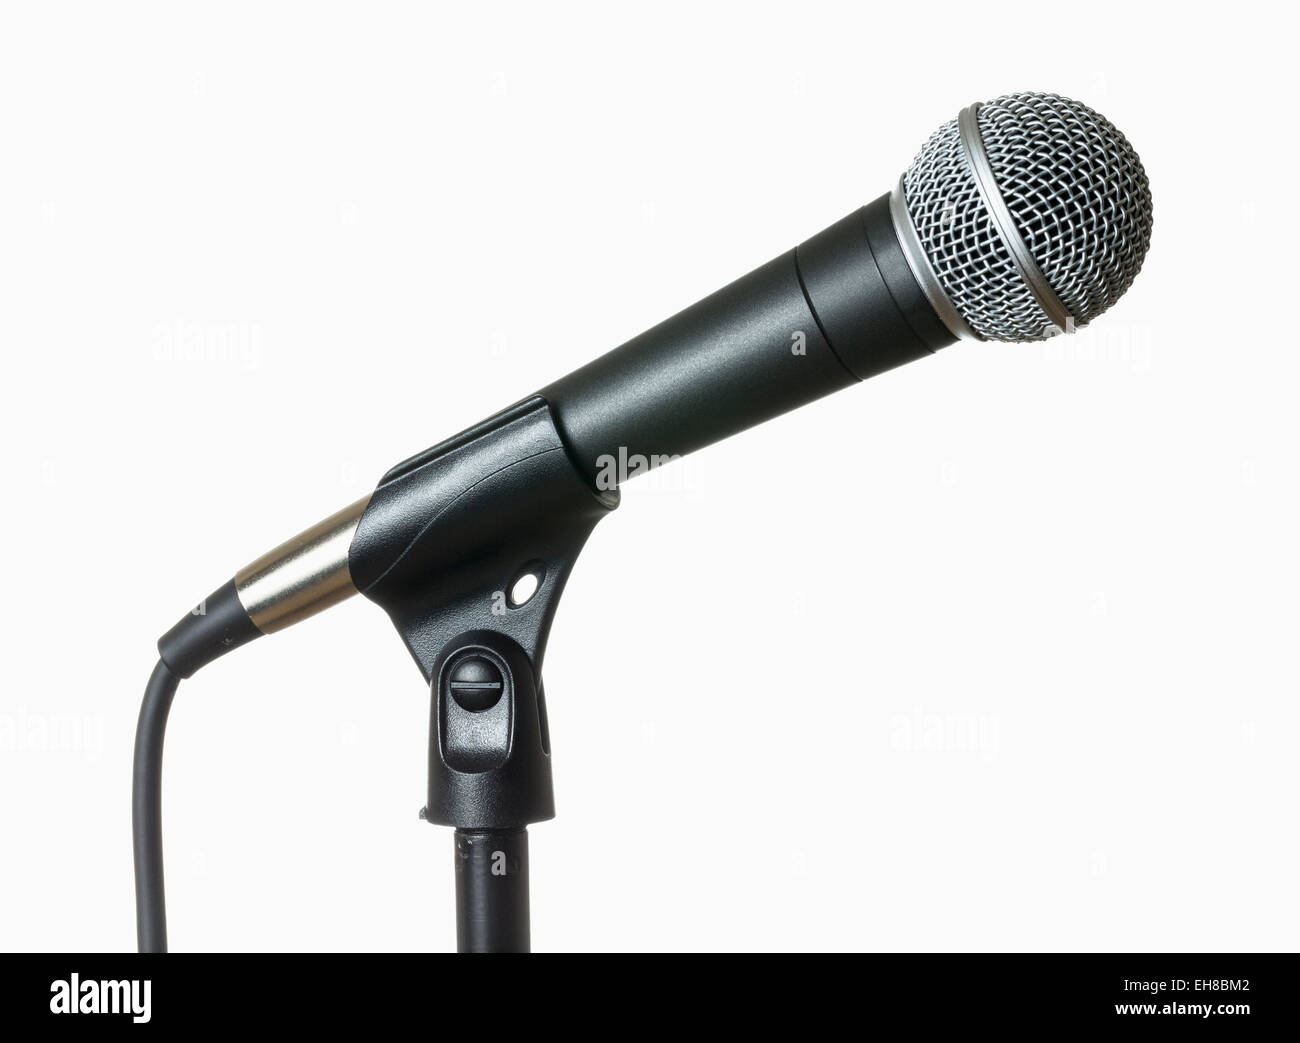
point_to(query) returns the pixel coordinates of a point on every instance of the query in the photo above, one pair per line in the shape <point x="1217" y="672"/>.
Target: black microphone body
<point x="839" y="308"/>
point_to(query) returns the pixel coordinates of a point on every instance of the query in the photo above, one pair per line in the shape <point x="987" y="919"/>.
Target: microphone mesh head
<point x="1077" y="195"/>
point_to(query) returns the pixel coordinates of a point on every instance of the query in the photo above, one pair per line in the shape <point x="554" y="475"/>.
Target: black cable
<point x="146" y="810"/>
<point x="216" y="626"/>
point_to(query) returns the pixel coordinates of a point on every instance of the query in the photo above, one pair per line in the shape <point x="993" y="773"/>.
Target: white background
<point x="996" y="651"/>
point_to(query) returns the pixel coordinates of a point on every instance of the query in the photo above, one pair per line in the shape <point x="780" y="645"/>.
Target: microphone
<point x="1025" y="217"/>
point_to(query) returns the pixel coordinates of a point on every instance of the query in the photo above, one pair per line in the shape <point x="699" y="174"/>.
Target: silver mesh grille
<point x="1077" y="195"/>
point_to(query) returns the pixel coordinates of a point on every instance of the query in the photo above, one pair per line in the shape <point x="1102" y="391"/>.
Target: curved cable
<point x="146" y="810"/>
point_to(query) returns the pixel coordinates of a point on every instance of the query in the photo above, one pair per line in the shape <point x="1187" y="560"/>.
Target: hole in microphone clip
<point x="525" y="585"/>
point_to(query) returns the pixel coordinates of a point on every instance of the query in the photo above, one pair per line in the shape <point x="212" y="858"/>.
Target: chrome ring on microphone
<point x="972" y="143"/>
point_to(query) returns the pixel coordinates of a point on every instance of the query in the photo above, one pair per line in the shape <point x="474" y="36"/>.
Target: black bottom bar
<point x="1096" y="995"/>
<point x="492" y="890"/>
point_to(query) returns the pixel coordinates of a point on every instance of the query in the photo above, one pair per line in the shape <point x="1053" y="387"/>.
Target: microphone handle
<point x="839" y="308"/>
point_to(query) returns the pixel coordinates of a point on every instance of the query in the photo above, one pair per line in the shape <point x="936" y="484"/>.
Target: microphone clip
<point x="468" y="547"/>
